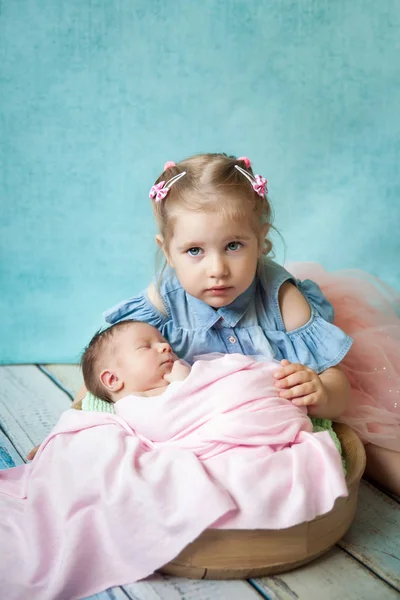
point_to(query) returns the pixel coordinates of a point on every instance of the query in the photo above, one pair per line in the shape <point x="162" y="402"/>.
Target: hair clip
<point x="169" y="164"/>
<point x="160" y="190"/>
<point x="246" y="161"/>
<point x="259" y="183"/>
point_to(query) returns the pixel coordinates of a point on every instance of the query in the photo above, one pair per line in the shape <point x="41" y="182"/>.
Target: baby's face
<point x="143" y="357"/>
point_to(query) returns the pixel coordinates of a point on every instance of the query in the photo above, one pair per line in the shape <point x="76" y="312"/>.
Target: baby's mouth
<point x="168" y="361"/>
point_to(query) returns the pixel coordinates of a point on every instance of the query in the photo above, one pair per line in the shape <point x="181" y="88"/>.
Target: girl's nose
<point x="217" y="266"/>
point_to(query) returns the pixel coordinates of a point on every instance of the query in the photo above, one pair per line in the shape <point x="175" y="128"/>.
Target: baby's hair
<point x="212" y="183"/>
<point x="91" y="357"/>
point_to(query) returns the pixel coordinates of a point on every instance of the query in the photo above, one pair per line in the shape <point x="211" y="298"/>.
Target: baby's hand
<point x="179" y="372"/>
<point x="300" y="384"/>
<point x="32" y="453"/>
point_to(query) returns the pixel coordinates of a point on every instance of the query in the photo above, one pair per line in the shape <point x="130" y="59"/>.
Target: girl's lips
<point x="220" y="289"/>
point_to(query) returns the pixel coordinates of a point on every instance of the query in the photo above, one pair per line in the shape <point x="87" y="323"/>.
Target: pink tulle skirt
<point x="367" y="310"/>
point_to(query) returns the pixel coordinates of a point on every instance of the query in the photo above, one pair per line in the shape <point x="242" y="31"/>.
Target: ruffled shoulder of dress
<point x="138" y="308"/>
<point x="312" y="292"/>
<point x="319" y="344"/>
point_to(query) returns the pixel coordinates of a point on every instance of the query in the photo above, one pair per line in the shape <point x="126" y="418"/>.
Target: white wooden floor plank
<point x="30" y="405"/>
<point x="335" y="576"/>
<point x="374" y="536"/>
<point x="111" y="594"/>
<point x="9" y="457"/>
<point x="163" y="587"/>
<point x="69" y="376"/>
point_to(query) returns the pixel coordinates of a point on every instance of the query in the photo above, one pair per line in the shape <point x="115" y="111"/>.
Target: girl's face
<point x="214" y="257"/>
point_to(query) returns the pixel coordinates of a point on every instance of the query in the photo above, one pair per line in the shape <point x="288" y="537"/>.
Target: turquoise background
<point x="96" y="95"/>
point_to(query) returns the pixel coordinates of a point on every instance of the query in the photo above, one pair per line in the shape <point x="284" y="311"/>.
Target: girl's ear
<point x="111" y="381"/>
<point x="261" y="240"/>
<point x="160" y="243"/>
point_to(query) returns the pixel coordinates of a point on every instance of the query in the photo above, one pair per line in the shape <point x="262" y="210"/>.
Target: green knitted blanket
<point x="93" y="404"/>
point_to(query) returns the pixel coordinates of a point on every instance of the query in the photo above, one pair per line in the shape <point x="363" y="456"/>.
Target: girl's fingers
<point x="298" y="392"/>
<point x="285" y="370"/>
<point x="293" y="379"/>
<point x="289" y="370"/>
<point x="309" y="400"/>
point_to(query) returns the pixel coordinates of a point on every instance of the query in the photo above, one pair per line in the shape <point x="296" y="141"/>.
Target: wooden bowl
<point x="240" y="554"/>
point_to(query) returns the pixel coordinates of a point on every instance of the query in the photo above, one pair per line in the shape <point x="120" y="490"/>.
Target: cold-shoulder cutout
<point x="295" y="310"/>
<point x="155" y="298"/>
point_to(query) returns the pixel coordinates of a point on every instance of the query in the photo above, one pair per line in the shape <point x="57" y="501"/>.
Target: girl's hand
<point x="300" y="384"/>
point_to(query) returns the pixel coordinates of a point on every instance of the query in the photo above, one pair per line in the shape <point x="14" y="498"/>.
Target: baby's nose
<point x="164" y="347"/>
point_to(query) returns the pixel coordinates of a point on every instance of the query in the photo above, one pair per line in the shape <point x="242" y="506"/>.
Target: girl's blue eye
<point x="194" y="251"/>
<point x="233" y="246"/>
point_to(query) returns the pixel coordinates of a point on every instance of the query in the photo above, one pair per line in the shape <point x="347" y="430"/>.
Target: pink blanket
<point x="111" y="498"/>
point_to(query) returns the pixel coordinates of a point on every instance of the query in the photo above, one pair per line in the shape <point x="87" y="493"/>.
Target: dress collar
<point x="207" y="316"/>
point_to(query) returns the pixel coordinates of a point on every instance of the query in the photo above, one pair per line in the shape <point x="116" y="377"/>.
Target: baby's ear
<point x="111" y="381"/>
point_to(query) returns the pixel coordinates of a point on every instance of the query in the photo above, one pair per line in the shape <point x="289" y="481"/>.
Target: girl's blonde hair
<point x="211" y="183"/>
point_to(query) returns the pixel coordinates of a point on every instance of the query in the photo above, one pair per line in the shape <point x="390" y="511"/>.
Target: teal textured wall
<point x="95" y="95"/>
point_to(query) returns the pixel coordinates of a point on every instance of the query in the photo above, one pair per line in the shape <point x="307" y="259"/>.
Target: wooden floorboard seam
<point x="121" y="589"/>
<point x="384" y="490"/>
<point x="10" y="441"/>
<point x="54" y="379"/>
<point x="263" y="593"/>
<point x="368" y="568"/>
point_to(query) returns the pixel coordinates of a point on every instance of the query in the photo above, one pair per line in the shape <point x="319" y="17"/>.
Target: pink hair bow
<point x="260" y="185"/>
<point x="158" y="191"/>
<point x="258" y="182"/>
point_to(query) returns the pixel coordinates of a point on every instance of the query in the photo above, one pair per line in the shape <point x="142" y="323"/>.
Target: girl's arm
<point x="337" y="390"/>
<point x="155" y="298"/>
<point x="326" y="395"/>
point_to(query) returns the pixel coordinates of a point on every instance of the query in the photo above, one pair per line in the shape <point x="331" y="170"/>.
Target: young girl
<point x="220" y="292"/>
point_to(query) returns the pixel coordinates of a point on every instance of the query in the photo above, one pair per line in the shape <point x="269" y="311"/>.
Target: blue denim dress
<point x="252" y="324"/>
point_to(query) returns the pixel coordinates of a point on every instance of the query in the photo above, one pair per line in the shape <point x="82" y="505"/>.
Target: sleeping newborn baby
<point x="225" y="411"/>
<point x="130" y="358"/>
